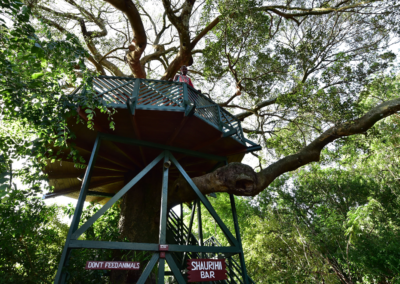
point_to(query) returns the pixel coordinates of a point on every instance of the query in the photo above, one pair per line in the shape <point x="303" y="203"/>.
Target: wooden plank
<point x="177" y="130"/>
<point x="161" y="146"/>
<point x="121" y="149"/>
<point x="92" y="185"/>
<point x="60" y="175"/>
<point x="107" y="155"/>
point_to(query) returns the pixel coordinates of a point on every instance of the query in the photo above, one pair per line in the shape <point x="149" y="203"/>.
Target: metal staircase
<point x="179" y="233"/>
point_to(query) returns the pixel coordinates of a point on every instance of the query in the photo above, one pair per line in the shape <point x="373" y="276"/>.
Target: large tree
<point x="298" y="73"/>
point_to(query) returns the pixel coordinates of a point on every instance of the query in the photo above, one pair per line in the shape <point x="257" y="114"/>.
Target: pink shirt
<point x="185" y="79"/>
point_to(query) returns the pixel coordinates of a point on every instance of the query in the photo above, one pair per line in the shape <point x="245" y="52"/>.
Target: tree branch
<point x="156" y="55"/>
<point x="140" y="39"/>
<point x="96" y="54"/>
<point x="240" y="179"/>
<point x="257" y="107"/>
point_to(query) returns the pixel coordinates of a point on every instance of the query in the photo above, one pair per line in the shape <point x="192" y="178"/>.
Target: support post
<point x="220" y="123"/>
<point x="231" y="239"/>
<point x="164" y="199"/>
<point x="189" y="230"/>
<point x="61" y="276"/>
<point x="167" y="157"/>
<point x="115" y="198"/>
<point x="238" y="237"/>
<point x="200" y="226"/>
<point x="163" y="215"/>
<point x="185" y="95"/>
<point x="181" y="232"/>
<point x="148" y="269"/>
<point x="200" y="229"/>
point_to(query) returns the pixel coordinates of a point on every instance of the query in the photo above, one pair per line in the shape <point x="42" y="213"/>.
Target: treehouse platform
<point x="160" y="127"/>
<point x="149" y="116"/>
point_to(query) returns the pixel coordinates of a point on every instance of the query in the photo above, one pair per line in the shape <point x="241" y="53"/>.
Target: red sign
<point x="112" y="265"/>
<point x="206" y="270"/>
<point x="163" y="249"/>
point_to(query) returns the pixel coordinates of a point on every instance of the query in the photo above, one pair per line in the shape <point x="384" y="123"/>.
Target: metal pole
<point x="181" y="226"/>
<point x="200" y="228"/>
<point x="185" y="95"/>
<point x="61" y="276"/>
<point x="236" y="223"/>
<point x="163" y="215"/>
<point x="189" y="230"/>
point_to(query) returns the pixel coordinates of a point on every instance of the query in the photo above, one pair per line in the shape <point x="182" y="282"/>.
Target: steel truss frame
<point x="74" y="232"/>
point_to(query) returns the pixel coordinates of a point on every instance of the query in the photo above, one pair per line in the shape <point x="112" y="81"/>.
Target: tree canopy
<point x="312" y="81"/>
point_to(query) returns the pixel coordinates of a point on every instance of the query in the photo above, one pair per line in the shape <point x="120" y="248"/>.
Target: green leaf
<point x="37" y="75"/>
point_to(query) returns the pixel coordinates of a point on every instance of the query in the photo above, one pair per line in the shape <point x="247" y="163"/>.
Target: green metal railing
<point x="179" y="233"/>
<point x="148" y="94"/>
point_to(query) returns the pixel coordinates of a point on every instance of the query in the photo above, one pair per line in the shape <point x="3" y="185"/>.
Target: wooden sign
<point x="201" y="270"/>
<point x="112" y="265"/>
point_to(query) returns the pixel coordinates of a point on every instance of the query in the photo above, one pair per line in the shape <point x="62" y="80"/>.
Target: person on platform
<point x="183" y="77"/>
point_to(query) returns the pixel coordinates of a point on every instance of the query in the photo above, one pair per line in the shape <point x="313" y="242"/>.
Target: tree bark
<point x="139" y="221"/>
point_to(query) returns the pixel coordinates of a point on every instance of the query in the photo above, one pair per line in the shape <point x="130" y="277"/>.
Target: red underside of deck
<point x="116" y="160"/>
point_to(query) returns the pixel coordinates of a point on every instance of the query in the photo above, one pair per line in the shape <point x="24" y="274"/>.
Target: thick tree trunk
<point x="139" y="221"/>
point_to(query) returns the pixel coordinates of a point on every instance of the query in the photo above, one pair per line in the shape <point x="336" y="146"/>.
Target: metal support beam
<point x="220" y="123"/>
<point x="167" y="157"/>
<point x="161" y="270"/>
<point x="238" y="237"/>
<point x="204" y="200"/>
<point x="200" y="225"/>
<point x="175" y="269"/>
<point x="131" y="104"/>
<point x="185" y="95"/>
<point x="189" y="110"/>
<point x="148" y="268"/>
<point x="116" y="197"/>
<point x="164" y="197"/>
<point x="60" y="276"/>
<point x="189" y="230"/>
<point x="230" y="133"/>
<point x="75" y="244"/>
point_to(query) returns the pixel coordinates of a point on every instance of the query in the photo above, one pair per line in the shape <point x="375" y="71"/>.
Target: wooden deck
<point x="160" y="115"/>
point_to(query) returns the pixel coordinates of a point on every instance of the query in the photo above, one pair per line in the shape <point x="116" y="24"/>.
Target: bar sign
<point x="201" y="270"/>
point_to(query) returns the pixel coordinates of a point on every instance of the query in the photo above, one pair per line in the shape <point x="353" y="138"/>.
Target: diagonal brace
<point x="116" y="197"/>
<point x="206" y="203"/>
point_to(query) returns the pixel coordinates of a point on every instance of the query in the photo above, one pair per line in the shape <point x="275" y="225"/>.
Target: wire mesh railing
<point x="116" y="91"/>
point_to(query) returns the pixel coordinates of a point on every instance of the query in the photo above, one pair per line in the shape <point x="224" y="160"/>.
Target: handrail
<point x="165" y="95"/>
<point x="174" y="221"/>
